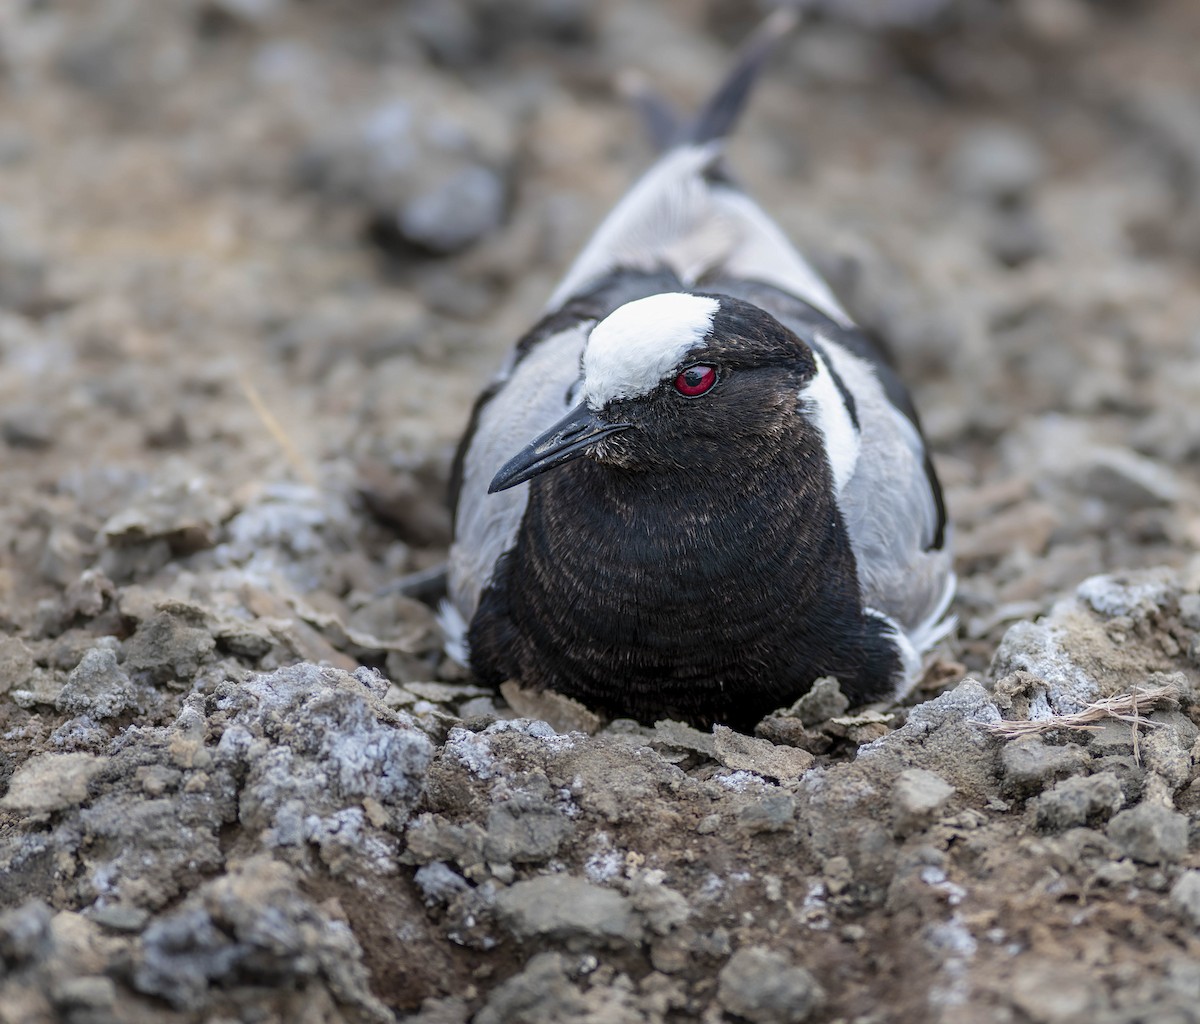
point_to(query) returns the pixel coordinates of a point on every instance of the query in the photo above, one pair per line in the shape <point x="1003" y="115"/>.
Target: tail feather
<point x="717" y="118"/>
<point x="685" y="215"/>
<point x="719" y="115"/>
<point x="661" y="119"/>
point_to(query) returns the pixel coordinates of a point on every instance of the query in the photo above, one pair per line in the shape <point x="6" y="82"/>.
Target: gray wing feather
<point x="887" y="503"/>
<point x="889" y="508"/>
<point x="533" y="397"/>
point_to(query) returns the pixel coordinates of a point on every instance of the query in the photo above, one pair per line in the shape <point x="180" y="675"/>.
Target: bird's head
<point x="676" y="381"/>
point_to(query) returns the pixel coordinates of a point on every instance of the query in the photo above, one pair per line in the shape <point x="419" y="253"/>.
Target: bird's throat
<point x="664" y="593"/>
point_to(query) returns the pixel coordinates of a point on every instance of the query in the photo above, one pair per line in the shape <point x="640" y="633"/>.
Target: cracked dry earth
<point x="256" y="258"/>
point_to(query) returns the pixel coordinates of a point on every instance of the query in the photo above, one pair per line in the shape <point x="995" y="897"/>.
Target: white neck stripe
<point x="828" y="408"/>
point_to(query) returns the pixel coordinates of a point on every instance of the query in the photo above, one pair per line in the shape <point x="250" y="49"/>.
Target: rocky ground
<point x="256" y="258"/>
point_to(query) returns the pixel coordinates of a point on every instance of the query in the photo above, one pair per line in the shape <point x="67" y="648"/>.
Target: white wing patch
<point x="911" y="662"/>
<point x="890" y="513"/>
<point x="938" y="624"/>
<point x="454" y="630"/>
<point x="634" y="347"/>
<point x="912" y="643"/>
<point x="842" y="440"/>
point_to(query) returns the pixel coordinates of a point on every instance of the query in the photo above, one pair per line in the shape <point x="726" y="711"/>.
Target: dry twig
<point x="1124" y="707"/>
<point x="298" y="463"/>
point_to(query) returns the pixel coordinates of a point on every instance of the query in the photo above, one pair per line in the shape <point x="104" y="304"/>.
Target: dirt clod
<point x="1150" y="833"/>
<point x="918" y="795"/>
<point x="1079" y="800"/>
<point x="1030" y="765"/>
<point x="97" y="686"/>
<point x="765" y="988"/>
<point x="1185" y="897"/>
<point x="569" y="910"/>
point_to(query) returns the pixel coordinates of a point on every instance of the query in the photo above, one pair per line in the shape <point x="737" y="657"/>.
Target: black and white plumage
<point x="696" y="487"/>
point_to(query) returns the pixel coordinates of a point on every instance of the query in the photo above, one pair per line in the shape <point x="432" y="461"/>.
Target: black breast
<point x="706" y="597"/>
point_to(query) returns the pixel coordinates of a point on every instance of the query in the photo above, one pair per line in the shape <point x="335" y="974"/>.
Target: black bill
<point x="569" y="438"/>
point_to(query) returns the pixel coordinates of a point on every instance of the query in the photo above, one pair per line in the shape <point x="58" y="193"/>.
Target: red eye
<point x="695" y="380"/>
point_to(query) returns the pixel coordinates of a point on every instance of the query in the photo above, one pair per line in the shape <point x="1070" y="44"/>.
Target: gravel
<point x="239" y="780"/>
<point x="999" y="163"/>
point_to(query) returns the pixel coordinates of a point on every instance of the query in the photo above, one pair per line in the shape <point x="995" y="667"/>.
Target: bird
<point x="696" y="486"/>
